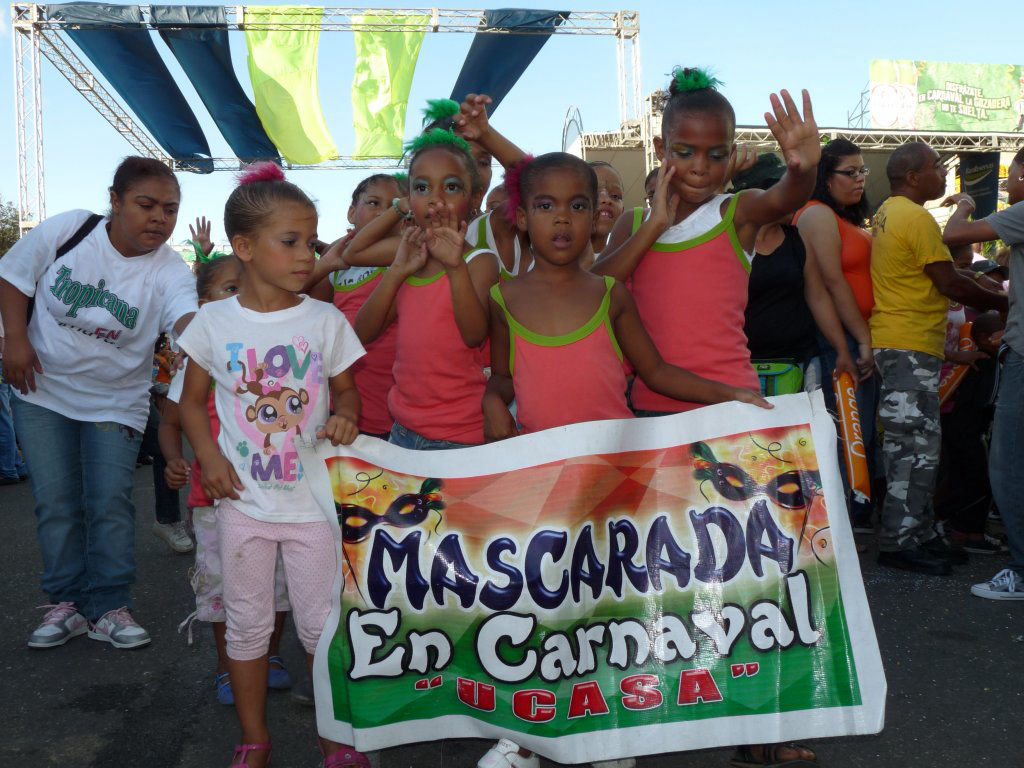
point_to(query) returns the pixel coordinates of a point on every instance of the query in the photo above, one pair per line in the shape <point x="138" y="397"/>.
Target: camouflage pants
<point x="909" y="414"/>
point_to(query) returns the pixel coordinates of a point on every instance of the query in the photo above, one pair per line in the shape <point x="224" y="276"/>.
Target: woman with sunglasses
<point x="832" y="224"/>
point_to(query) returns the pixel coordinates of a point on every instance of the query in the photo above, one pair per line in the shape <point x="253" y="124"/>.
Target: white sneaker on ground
<point x="175" y="535"/>
<point x="118" y="628"/>
<point x="61" y="623"/>
<point x="628" y="762"/>
<point x="505" y="754"/>
<point x="1005" y="585"/>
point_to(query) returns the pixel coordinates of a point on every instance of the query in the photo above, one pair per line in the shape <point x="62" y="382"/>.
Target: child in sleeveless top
<point x="435" y="292"/>
<point x="687" y="260"/>
<point x="349" y="286"/>
<point x="217" y="277"/>
<point x="559" y="333"/>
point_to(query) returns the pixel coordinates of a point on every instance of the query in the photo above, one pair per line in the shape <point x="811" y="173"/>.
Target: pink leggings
<point x="249" y="555"/>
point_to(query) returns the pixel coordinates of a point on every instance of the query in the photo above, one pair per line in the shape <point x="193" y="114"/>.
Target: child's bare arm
<point x="219" y="477"/>
<point x="498" y="421"/>
<point x="169" y="438"/>
<point x="625" y="249"/>
<point x="343" y="427"/>
<point x="374" y="245"/>
<point x="379" y="310"/>
<point x="472" y="124"/>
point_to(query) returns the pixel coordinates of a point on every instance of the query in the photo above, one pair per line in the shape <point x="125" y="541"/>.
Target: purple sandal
<point x="242" y="750"/>
<point x="346" y="757"/>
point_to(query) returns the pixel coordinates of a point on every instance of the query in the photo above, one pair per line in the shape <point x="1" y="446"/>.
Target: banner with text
<point x="946" y="96"/>
<point x="601" y="590"/>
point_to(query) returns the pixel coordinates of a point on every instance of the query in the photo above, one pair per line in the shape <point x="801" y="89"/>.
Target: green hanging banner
<point x="387" y="47"/>
<point x="283" y="69"/>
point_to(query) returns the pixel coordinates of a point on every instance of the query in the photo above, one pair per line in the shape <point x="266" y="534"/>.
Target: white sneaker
<point x="175" y="535"/>
<point x="628" y="762"/>
<point x="1005" y="585"/>
<point x="505" y="754"/>
<point x="118" y="628"/>
<point x="61" y="623"/>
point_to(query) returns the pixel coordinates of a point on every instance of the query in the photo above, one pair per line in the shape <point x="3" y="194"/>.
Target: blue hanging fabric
<point x="113" y="38"/>
<point x="496" y="61"/>
<point x="197" y="36"/>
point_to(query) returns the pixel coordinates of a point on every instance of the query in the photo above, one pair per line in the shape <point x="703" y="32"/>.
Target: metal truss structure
<point x="869" y="140"/>
<point x="35" y="34"/>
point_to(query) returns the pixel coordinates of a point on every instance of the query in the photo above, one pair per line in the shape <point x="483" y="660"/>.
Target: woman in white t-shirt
<point x="83" y="300"/>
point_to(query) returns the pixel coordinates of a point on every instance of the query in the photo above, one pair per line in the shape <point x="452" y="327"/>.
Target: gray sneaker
<point x="61" y="623"/>
<point x="1005" y="585"/>
<point x="118" y="628"/>
<point x="175" y="535"/>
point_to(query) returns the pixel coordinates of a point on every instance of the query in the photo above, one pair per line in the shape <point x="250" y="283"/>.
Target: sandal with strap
<point x="242" y="751"/>
<point x="346" y="757"/>
<point x="771" y="756"/>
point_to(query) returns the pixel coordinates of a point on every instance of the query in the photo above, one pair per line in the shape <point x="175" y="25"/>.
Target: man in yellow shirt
<point x="913" y="278"/>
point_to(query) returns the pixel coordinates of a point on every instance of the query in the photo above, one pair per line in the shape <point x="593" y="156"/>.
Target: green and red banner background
<point x="599" y="591"/>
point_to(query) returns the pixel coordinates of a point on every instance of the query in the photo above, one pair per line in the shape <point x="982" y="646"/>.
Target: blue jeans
<point x="867" y="410"/>
<point x="404" y="437"/>
<point x="11" y="464"/>
<point x="82" y="474"/>
<point x="1005" y="468"/>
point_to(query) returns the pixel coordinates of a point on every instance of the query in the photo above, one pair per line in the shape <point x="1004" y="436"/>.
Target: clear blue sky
<point x="754" y="47"/>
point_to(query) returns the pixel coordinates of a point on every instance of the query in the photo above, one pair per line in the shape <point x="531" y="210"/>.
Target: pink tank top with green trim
<point x="691" y="297"/>
<point x="374" y="379"/>
<point x="566" y="379"/>
<point x="439" y="381"/>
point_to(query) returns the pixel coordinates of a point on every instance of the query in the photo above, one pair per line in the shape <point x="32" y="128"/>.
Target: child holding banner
<point x="559" y="333"/>
<point x="276" y="356"/>
<point x="435" y="292"/>
<point x="688" y="258"/>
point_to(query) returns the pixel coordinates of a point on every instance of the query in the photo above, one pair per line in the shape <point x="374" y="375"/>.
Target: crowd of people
<point x="466" y="319"/>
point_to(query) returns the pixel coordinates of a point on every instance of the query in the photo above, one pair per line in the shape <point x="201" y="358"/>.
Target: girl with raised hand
<point x="348" y="287"/>
<point x="559" y="332"/>
<point x="688" y="257"/>
<point x="435" y="292"/>
<point x="495" y="230"/>
<point x="275" y="356"/>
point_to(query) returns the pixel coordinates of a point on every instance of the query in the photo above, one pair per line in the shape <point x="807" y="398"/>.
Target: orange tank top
<point x="439" y="381"/>
<point x="372" y="372"/>
<point x="566" y="379"/>
<point x="691" y="297"/>
<point x="854" y="258"/>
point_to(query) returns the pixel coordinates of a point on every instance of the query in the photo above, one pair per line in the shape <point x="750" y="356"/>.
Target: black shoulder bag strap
<point x="80" y="234"/>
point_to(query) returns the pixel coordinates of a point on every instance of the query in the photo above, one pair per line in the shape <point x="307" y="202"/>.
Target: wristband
<point x="402" y="214"/>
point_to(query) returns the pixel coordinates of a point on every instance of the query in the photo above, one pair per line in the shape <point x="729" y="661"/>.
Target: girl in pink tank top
<point x="348" y="286"/>
<point x="687" y="263"/>
<point x="435" y="295"/>
<point x="558" y="332"/>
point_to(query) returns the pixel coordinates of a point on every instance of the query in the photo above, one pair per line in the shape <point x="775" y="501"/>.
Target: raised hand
<point x="471" y="123"/>
<point x="412" y="252"/>
<point x="666" y="201"/>
<point x="446" y="238"/>
<point x="797" y="136"/>
<point x="201" y="234"/>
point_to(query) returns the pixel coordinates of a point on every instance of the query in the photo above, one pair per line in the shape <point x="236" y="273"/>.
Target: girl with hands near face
<point x="687" y="258"/>
<point x="434" y="294"/>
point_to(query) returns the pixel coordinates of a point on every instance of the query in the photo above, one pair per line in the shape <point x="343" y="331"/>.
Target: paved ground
<point x="955" y="667"/>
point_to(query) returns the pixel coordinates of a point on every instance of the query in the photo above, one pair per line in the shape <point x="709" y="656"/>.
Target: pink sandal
<point x="242" y="750"/>
<point x="346" y="757"/>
